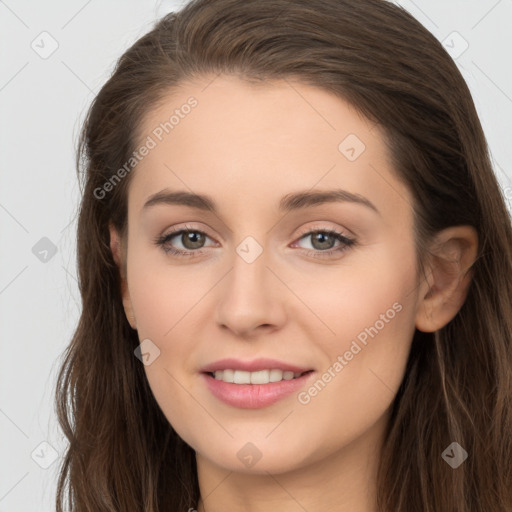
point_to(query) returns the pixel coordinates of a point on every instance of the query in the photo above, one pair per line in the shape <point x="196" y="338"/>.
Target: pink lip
<point x="254" y="396"/>
<point x="252" y="366"/>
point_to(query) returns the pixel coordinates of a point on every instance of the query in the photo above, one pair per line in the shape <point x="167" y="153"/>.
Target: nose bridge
<point x="248" y="279"/>
<point x="248" y="297"/>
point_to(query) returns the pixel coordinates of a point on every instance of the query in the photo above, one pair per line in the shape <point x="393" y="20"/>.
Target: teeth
<point x="227" y="375"/>
<point x="259" y="377"/>
<point x="242" y="377"/>
<point x="275" y="375"/>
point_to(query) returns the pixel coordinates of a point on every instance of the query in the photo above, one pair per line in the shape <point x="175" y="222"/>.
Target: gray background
<point x="43" y="99"/>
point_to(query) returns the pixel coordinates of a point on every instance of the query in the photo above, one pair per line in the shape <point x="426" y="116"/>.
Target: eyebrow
<point x="289" y="202"/>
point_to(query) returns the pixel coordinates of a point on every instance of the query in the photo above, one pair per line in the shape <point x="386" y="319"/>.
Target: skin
<point x="247" y="146"/>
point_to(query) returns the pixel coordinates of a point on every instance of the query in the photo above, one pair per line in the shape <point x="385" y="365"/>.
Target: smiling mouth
<point x="258" y="377"/>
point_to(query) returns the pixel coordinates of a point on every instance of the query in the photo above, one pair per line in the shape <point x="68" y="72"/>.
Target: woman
<point x="221" y="364"/>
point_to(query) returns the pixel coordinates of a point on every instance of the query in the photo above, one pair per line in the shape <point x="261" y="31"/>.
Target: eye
<point x="322" y="241"/>
<point x="191" y="239"/>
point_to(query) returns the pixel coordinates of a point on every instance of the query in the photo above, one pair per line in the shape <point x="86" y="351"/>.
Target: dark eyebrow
<point x="289" y="202"/>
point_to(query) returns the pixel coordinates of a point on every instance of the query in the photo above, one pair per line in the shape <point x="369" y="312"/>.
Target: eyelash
<point x="161" y="241"/>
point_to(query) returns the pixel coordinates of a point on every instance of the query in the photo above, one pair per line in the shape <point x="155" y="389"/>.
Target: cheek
<point x="363" y="373"/>
<point x="163" y="300"/>
<point x="370" y="289"/>
<point x="370" y="312"/>
<point x="163" y="295"/>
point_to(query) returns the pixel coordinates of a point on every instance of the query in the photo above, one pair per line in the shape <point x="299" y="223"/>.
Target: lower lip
<point x="254" y="396"/>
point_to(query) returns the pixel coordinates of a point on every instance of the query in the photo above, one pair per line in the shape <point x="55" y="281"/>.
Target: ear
<point x="119" y="254"/>
<point x="448" y="278"/>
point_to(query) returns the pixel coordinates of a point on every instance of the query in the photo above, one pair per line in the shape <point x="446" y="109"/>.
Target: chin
<point x="256" y="458"/>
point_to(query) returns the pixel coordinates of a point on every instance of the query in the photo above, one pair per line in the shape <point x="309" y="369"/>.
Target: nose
<point x="251" y="298"/>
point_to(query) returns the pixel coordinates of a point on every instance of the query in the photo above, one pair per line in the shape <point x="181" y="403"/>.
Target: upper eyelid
<point x="324" y="228"/>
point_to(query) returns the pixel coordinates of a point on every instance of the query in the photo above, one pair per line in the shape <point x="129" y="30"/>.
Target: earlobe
<point x="115" y="245"/>
<point x="449" y="275"/>
<point x="128" y="309"/>
<point x="119" y="255"/>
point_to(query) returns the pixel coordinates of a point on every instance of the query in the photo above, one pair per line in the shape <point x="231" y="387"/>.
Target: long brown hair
<point x="123" y="454"/>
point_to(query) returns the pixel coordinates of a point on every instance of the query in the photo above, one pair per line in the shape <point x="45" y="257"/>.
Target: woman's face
<point x="255" y="281"/>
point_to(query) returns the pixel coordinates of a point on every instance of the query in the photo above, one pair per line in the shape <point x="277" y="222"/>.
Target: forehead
<point x="253" y="143"/>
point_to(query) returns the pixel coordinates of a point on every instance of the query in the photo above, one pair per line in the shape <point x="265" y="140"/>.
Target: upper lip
<point x="252" y="366"/>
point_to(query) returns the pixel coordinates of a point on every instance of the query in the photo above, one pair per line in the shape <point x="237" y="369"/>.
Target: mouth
<point x="267" y="376"/>
<point x="244" y="389"/>
<point x="256" y="383"/>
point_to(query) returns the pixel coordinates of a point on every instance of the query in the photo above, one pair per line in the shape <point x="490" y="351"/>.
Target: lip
<point x="254" y="396"/>
<point x="252" y="366"/>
